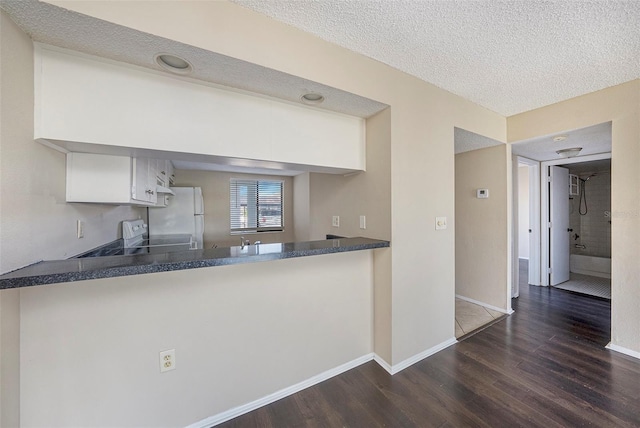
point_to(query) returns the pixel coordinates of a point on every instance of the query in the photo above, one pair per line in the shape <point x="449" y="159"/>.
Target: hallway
<point x="546" y="365"/>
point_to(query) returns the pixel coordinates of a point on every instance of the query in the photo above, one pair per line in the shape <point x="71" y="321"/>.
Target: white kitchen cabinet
<point x="170" y="174"/>
<point x="165" y="172"/>
<point x="111" y="179"/>
<point x="144" y="180"/>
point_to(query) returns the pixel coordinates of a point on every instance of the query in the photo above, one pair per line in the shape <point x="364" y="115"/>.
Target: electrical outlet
<point x="363" y="222"/>
<point x="167" y="360"/>
<point x="80" y="229"/>
<point x="335" y="221"/>
<point x="441" y="223"/>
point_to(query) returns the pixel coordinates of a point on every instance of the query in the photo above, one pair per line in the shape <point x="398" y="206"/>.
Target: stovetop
<point x="147" y="245"/>
<point x="136" y="240"/>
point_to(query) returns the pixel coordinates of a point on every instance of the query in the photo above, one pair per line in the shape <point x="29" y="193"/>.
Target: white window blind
<point x="256" y="205"/>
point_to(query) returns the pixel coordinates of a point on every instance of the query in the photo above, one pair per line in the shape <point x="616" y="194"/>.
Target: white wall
<point x="422" y="121"/>
<point x="620" y="105"/>
<point x="90" y="349"/>
<point x="301" y="207"/>
<point x="349" y="197"/>
<point x="36" y="221"/>
<point x="10" y="358"/>
<point x="523" y="212"/>
<point x="215" y="192"/>
<point x="481" y="265"/>
<point x="418" y="298"/>
<point x="353" y="195"/>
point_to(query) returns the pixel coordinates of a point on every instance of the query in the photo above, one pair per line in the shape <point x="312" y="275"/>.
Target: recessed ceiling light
<point x="569" y="153"/>
<point x="312" y="98"/>
<point x="173" y="63"/>
<point x="560" y="138"/>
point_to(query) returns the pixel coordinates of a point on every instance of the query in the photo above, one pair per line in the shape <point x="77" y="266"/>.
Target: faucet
<point x="244" y="242"/>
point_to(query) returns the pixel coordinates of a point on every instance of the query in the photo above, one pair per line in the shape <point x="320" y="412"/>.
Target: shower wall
<point x="594" y="228"/>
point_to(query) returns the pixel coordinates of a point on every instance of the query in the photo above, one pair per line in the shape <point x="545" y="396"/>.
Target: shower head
<point x="593" y="174"/>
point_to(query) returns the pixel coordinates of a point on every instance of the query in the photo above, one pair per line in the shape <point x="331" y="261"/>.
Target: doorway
<point x="558" y="254"/>
<point x="589" y="236"/>
<point x="482" y="209"/>
<point x="528" y="209"/>
<point x="593" y="164"/>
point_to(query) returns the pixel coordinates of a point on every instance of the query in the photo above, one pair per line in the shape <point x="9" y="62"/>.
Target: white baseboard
<point x="486" y="305"/>
<point x="382" y="363"/>
<point x="268" y="399"/>
<point x="622" y="350"/>
<point x="419" y="357"/>
<point x="246" y="408"/>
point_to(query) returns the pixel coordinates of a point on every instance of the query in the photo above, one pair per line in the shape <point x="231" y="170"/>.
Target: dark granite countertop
<point x="57" y="271"/>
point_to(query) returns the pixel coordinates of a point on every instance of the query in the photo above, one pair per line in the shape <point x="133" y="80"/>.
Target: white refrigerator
<point x="184" y="214"/>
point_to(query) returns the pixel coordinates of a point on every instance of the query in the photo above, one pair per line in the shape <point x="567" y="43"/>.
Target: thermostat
<point x="482" y="193"/>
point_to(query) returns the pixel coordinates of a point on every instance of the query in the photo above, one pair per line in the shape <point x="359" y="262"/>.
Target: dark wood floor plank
<point x="546" y="365"/>
<point x="418" y="397"/>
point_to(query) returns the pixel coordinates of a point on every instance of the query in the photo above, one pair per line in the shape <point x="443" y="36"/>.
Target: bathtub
<point x="589" y="265"/>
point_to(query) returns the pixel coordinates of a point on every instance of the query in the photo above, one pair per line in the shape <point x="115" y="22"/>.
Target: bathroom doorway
<point x="587" y="191"/>
<point x="589" y="228"/>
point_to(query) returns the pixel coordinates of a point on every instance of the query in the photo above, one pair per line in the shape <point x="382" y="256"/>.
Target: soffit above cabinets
<point x="126" y="110"/>
<point x="56" y="26"/>
<point x="593" y="140"/>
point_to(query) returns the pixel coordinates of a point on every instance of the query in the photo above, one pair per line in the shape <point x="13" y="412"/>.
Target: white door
<point x="558" y="224"/>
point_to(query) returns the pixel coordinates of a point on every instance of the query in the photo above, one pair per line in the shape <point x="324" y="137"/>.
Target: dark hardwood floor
<point x="545" y="366"/>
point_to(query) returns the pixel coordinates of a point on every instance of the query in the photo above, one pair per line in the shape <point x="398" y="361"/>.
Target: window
<point x="256" y="205"/>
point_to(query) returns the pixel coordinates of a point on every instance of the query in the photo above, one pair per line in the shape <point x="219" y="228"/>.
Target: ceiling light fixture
<point x="173" y="63"/>
<point x="312" y="98"/>
<point x="560" y="138"/>
<point x="569" y="153"/>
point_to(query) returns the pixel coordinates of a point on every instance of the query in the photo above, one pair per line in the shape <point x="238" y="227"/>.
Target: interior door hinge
<point x="549" y="270"/>
<point x="549" y="179"/>
<point x="549" y="225"/>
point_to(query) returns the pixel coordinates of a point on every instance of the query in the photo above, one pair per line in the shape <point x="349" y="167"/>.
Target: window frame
<point x="233" y="185"/>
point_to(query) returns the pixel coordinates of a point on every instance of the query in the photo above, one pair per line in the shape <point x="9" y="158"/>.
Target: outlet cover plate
<point x="441" y="223"/>
<point x="167" y="360"/>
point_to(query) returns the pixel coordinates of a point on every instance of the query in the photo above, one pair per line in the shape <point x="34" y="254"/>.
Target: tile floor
<point x="470" y="317"/>
<point x="585" y="284"/>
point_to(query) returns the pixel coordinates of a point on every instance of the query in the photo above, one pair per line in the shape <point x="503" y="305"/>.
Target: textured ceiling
<point x="585" y="169"/>
<point x="593" y="140"/>
<point x="52" y="25"/>
<point x="508" y="56"/>
<point x="465" y="141"/>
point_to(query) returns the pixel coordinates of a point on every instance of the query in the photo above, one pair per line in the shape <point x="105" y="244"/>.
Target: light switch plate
<point x="482" y="193"/>
<point x="335" y="222"/>
<point x="441" y="223"/>
<point x="363" y="222"/>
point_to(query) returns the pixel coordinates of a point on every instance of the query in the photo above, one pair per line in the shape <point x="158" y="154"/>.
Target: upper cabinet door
<point x="140" y="187"/>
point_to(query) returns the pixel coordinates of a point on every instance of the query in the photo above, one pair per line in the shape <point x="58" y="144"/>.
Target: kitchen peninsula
<point x="80" y="269"/>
